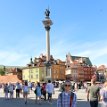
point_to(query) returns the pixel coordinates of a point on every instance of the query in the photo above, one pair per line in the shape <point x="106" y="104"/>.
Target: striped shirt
<point x="64" y="100"/>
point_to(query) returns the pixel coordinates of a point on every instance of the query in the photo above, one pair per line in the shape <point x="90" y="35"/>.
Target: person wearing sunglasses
<point x="67" y="98"/>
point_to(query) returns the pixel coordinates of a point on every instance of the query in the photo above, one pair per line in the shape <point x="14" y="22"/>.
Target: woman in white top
<point x="25" y="91"/>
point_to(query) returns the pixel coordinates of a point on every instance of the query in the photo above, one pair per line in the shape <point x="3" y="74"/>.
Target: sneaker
<point x="25" y="102"/>
<point x="49" y="102"/>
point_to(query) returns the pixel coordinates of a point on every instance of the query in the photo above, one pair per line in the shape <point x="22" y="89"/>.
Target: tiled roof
<point x="102" y="67"/>
<point x="86" y="59"/>
<point x="9" y="78"/>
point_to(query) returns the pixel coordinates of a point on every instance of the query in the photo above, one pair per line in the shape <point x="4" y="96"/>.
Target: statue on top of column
<point x="47" y="12"/>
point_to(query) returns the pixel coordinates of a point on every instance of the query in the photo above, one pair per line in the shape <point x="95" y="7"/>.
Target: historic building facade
<point x="79" y="68"/>
<point x="37" y="70"/>
<point x="58" y="70"/>
<point x="34" y="74"/>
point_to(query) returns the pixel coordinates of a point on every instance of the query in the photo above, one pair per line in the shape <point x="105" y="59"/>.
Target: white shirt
<point x="11" y="88"/>
<point x="50" y="88"/>
<point x="18" y="86"/>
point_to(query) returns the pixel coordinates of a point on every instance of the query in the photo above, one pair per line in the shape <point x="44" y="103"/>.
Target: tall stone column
<point x="47" y="23"/>
<point x="47" y="44"/>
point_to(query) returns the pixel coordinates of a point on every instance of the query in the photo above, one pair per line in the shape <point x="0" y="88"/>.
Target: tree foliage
<point x="2" y="72"/>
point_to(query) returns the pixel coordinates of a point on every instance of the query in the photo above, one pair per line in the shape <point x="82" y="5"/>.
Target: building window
<point x="23" y="76"/>
<point x="31" y="71"/>
<point x="31" y="76"/>
<point x="57" y="76"/>
<point x="61" y="72"/>
<point x="68" y="66"/>
<point x="36" y="71"/>
<point x="37" y="76"/>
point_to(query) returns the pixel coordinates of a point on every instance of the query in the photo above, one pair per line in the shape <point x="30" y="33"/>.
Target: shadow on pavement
<point x="85" y="104"/>
<point x="19" y="102"/>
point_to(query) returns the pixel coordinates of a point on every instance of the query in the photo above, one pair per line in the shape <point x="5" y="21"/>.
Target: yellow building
<point x="38" y="70"/>
<point x="34" y="74"/>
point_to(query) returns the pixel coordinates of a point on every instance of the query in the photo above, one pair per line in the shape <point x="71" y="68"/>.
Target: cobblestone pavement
<point x="81" y="100"/>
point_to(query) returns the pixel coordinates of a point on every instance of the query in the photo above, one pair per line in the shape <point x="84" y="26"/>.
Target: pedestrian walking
<point x="6" y="90"/>
<point x="62" y="86"/>
<point x="18" y="89"/>
<point x="103" y="95"/>
<point x="44" y="90"/>
<point x="93" y="94"/>
<point x="50" y="90"/>
<point x="11" y="90"/>
<point x="85" y="86"/>
<point x="25" y="92"/>
<point x="67" y="98"/>
<point x="38" y="93"/>
<point x="75" y="86"/>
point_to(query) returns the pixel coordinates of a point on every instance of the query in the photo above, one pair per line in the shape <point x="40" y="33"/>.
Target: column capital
<point x="47" y="28"/>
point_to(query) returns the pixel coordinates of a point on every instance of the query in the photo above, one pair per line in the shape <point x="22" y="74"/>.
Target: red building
<point x="79" y="68"/>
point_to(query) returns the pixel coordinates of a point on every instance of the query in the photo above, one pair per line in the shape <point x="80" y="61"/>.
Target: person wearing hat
<point x="67" y="98"/>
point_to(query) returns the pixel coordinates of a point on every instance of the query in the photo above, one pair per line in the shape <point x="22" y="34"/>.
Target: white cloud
<point x="59" y="48"/>
<point x="94" y="50"/>
<point x="13" y="58"/>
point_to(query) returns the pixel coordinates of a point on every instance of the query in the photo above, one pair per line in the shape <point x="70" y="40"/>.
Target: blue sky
<point x="79" y="27"/>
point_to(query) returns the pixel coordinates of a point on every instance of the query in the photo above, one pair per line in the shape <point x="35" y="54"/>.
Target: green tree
<point x="2" y="72"/>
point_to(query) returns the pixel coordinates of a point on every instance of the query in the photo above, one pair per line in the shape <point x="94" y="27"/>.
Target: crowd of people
<point x="39" y="89"/>
<point x="96" y="92"/>
<point x="67" y="96"/>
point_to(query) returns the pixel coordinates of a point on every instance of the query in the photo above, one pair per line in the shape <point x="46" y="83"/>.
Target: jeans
<point x="94" y="103"/>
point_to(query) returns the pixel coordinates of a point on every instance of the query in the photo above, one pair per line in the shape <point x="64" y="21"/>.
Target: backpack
<point x="71" y="99"/>
<point x="35" y="91"/>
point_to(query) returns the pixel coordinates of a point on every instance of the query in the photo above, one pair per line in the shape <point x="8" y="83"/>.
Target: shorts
<point x="49" y="94"/>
